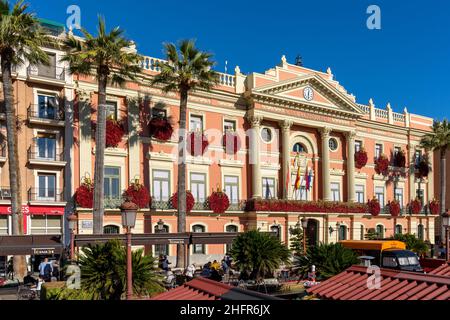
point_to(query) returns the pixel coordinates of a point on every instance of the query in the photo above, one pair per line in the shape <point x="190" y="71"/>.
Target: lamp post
<point x="304" y="222"/>
<point x="129" y="211"/>
<point x="446" y="224"/>
<point x="72" y="219"/>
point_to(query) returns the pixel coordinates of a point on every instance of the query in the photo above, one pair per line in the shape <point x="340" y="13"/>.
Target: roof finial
<point x="388" y="106"/>
<point x="371" y="102"/>
<point x="237" y="70"/>
<point x="405" y="110"/>
<point x="329" y="71"/>
<point x="283" y="59"/>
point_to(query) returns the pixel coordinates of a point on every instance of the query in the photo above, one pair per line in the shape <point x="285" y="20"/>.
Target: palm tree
<point x="107" y="57"/>
<point x="103" y="271"/>
<point x="329" y="259"/>
<point x="258" y="254"/>
<point x="185" y="70"/>
<point x="439" y="139"/>
<point x="21" y="39"/>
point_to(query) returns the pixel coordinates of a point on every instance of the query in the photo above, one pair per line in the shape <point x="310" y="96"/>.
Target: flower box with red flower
<point x="84" y="195"/>
<point x="394" y="208"/>
<point x="218" y="202"/>
<point x="139" y="194"/>
<point x="190" y="201"/>
<point x="114" y="133"/>
<point x="360" y="158"/>
<point x="160" y="128"/>
<point x="415" y="206"/>
<point x="400" y="159"/>
<point x="423" y="168"/>
<point x="197" y="143"/>
<point x="434" y="206"/>
<point x="382" y="165"/>
<point x="373" y="206"/>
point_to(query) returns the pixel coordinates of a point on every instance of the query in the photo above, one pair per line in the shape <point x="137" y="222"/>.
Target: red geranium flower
<point x="84" y="195"/>
<point x="373" y="207"/>
<point x="415" y="206"/>
<point x="160" y="128"/>
<point x="219" y="202"/>
<point x="189" y="201"/>
<point x="434" y="206"/>
<point x="360" y="158"/>
<point x="139" y="195"/>
<point x="394" y="208"/>
<point x="382" y="165"/>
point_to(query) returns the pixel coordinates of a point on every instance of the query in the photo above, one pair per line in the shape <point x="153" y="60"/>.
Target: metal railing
<point x="45" y="194"/>
<point x="161" y="205"/>
<point x="50" y="72"/>
<point x="55" y="154"/>
<point x="201" y="206"/>
<point x="56" y="114"/>
<point x="5" y="193"/>
<point x="112" y="202"/>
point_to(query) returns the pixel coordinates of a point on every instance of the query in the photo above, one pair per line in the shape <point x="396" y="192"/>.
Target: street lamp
<point x="446" y="224"/>
<point x="129" y="211"/>
<point x="304" y="222"/>
<point x="72" y="219"/>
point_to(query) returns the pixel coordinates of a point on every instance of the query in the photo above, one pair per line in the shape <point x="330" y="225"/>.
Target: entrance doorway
<point x="312" y="232"/>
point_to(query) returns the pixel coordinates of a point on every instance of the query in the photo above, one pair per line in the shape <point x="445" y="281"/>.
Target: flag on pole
<point x="309" y="180"/>
<point x="297" y="179"/>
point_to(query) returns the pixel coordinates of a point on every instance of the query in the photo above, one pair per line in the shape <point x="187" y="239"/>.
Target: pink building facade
<point x="289" y="119"/>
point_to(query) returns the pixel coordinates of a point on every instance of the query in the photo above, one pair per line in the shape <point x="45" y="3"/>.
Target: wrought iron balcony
<point x="33" y="112"/>
<point x="161" y="205"/>
<point x="48" y="72"/>
<point x="45" y="195"/>
<point x="201" y="206"/>
<point x="5" y="193"/>
<point x="240" y="206"/>
<point x="46" y="154"/>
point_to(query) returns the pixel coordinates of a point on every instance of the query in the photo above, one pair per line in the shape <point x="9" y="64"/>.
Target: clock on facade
<point x="308" y="93"/>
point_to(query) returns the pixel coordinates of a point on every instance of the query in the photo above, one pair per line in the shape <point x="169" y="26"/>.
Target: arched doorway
<point x="312" y="232"/>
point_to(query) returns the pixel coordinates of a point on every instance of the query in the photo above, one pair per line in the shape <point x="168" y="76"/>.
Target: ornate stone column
<point x="325" y="134"/>
<point x="254" y="158"/>
<point x="286" y="155"/>
<point x="350" y="165"/>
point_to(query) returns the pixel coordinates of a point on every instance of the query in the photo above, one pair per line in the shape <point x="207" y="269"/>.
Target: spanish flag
<point x="297" y="180"/>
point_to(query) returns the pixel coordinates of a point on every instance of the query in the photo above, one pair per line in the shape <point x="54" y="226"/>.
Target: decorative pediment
<point x="308" y="91"/>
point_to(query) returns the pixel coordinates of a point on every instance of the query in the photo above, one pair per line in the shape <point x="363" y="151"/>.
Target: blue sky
<point x="406" y="63"/>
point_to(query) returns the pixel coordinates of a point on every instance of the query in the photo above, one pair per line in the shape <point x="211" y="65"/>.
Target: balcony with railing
<point x="47" y="195"/>
<point x="44" y="73"/>
<point x="46" y="156"/>
<point x="48" y="116"/>
<point x="112" y="201"/>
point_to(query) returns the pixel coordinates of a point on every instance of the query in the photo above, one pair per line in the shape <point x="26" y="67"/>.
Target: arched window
<point x="198" y="248"/>
<point x="342" y="232"/>
<point x="420" y="232"/>
<point x="380" y="231"/>
<point x="161" y="249"/>
<point x="298" y="147"/>
<point x="230" y="228"/>
<point x="277" y="230"/>
<point x="398" y="229"/>
<point x="111" y="229"/>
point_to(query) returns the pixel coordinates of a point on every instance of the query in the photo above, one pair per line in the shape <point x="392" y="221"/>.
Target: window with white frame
<point x="46" y="146"/>
<point x="358" y="145"/>
<point x="111" y="110"/>
<point x="379" y="194"/>
<point x="112" y="183"/>
<point x="198" y="248"/>
<point x="268" y="188"/>
<point x="161" y="249"/>
<point x="229" y="125"/>
<point x="335" y="191"/>
<point x="361" y="232"/>
<point x="4" y="225"/>
<point x="398" y="229"/>
<point x="417" y="157"/>
<point x="399" y="196"/>
<point x="359" y="192"/>
<point x="342" y="232"/>
<point x="161" y="185"/>
<point x="378" y="150"/>
<point x="198" y="186"/>
<point x="196" y="123"/>
<point x="45" y="224"/>
<point x="47" y="106"/>
<point x="380" y="231"/>
<point x="46" y="186"/>
<point x="231" y="184"/>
